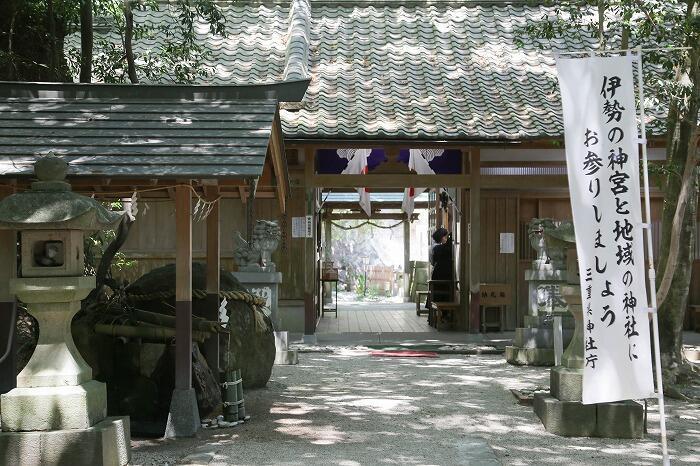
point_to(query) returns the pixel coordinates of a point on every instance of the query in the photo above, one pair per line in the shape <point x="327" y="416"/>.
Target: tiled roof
<point x="138" y="138"/>
<point x="390" y="69"/>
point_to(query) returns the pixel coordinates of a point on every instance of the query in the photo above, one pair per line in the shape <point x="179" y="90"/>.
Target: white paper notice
<point x="602" y="154"/>
<point x="507" y="243"/>
<point x="298" y="227"/>
<point x="303" y="227"/>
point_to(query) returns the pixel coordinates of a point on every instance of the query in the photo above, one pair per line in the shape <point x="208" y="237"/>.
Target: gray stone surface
<point x="539" y="337"/>
<point x="565" y="383"/>
<point x="529" y="356"/>
<point x="104" y="444"/>
<point x="54" y="408"/>
<point x="546" y="321"/>
<point x="565" y="418"/>
<point x="622" y="419"/>
<point x="183" y="418"/>
<point x="286" y="358"/>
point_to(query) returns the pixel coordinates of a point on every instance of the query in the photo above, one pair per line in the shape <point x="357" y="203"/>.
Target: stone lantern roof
<point x="51" y="205"/>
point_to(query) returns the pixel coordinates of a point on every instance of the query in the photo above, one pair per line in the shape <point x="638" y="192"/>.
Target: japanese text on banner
<point x="602" y="156"/>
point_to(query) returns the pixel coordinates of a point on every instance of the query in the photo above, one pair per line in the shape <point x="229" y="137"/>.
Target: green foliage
<point x="96" y="244"/>
<point x="178" y="56"/>
<point x="647" y="23"/>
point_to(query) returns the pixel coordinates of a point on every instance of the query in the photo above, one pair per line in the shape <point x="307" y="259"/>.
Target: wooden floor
<point x="372" y="317"/>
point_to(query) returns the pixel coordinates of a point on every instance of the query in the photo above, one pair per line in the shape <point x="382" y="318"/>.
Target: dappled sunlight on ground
<point x="349" y="408"/>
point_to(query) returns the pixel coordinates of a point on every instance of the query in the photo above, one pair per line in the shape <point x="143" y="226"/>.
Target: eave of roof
<point x="285" y="91"/>
<point x="139" y="138"/>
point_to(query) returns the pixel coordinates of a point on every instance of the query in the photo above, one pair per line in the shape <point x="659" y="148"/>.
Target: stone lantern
<point x="58" y="413"/>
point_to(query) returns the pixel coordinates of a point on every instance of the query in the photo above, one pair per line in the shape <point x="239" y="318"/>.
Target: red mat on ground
<point x="404" y="354"/>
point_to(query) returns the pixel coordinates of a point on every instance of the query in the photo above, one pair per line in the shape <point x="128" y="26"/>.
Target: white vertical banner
<point x="602" y="155"/>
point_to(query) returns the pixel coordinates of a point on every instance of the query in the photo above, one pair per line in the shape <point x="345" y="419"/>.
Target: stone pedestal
<point x="265" y="285"/>
<point x="562" y="412"/>
<point x="283" y="355"/>
<point x="533" y="344"/>
<point x="57" y="412"/>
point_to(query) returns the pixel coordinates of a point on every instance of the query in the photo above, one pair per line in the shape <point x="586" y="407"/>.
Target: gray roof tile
<point x="393" y="69"/>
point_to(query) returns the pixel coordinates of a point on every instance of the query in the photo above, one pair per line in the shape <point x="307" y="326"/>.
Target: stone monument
<point x="533" y="344"/>
<point x="259" y="275"/>
<point x="58" y="413"/>
<point x="561" y="411"/>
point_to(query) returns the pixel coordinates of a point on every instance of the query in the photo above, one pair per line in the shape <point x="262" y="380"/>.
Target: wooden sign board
<point x="495" y="294"/>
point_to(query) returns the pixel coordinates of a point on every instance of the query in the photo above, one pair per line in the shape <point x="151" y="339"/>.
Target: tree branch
<point x="128" y="37"/>
<point x="111" y="251"/>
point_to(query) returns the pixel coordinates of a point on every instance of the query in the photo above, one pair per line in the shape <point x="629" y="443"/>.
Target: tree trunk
<point x="51" y="20"/>
<point x="681" y="132"/>
<point x="128" y="37"/>
<point x="86" y="41"/>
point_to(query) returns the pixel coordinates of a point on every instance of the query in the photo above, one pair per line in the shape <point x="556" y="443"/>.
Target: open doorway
<point x="381" y="262"/>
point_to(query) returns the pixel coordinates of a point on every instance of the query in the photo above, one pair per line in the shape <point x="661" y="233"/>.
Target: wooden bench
<point x="443" y="314"/>
<point x="419" y="309"/>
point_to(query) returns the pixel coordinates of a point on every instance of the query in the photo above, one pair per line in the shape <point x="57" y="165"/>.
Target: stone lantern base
<point x="562" y="412"/>
<point x="57" y="413"/>
<point x="106" y="443"/>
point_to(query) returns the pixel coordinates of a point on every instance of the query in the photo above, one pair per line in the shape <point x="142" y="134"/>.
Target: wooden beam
<point x="183" y="287"/>
<point x="375" y="216"/>
<point x="279" y="163"/>
<point x="210" y="348"/>
<point x="388" y="181"/>
<point x="380" y="205"/>
<point x="475" y="243"/>
<point x="524" y="182"/>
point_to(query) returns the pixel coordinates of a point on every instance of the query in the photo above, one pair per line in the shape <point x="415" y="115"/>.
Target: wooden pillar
<point x="211" y="345"/>
<point x="463" y="270"/>
<point x="8" y="311"/>
<point x="183" y="418"/>
<point x="183" y="288"/>
<point x="328" y="240"/>
<point x="475" y="244"/>
<point x="406" y="258"/>
<point x="310" y="304"/>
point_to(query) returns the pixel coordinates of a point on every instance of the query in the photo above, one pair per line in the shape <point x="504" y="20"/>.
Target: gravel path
<point x="347" y="408"/>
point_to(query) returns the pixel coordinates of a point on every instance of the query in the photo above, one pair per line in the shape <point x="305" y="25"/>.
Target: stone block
<point x="107" y="443"/>
<point x="539" y="337"/>
<point x="565" y="418"/>
<point x="54" y="408"/>
<point x="621" y="419"/>
<point x="286" y="358"/>
<point x="565" y="383"/>
<point x="183" y="418"/>
<point x="545" y="321"/>
<point x="529" y="356"/>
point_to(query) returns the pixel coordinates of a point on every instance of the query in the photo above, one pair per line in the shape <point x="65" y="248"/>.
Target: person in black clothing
<point x="441" y="260"/>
